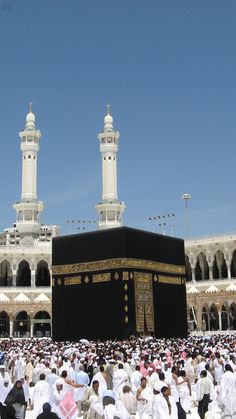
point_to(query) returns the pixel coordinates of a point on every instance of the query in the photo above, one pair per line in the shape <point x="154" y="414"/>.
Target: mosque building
<point x="211" y="282"/>
<point x="26" y="252"/>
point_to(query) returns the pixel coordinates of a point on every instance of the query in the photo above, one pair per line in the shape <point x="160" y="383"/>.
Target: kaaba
<point x="118" y="282"/>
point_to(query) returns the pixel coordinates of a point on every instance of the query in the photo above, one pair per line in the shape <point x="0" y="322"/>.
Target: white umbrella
<point x="84" y="341"/>
<point x="70" y="351"/>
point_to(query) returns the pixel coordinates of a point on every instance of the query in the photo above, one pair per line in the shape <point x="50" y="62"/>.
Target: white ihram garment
<point x="160" y="408"/>
<point x="102" y="383"/>
<point x="41" y="395"/>
<point x="120" y="379"/>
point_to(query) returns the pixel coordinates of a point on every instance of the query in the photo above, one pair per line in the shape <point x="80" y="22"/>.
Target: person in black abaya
<point x="16" y="398"/>
<point x="47" y="414"/>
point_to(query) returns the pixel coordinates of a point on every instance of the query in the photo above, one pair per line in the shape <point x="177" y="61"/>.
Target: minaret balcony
<point x="30" y="133"/>
<point x="26" y="146"/>
<point x="28" y="225"/>
<point x="29" y="205"/>
<point x="110" y="214"/>
<point x="106" y="148"/>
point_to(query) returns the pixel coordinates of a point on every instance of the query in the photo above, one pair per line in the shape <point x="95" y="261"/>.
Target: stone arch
<point x="5" y="274"/>
<point x="23" y="276"/>
<point x="203" y="265"/>
<point x="191" y="316"/>
<point x="42" y="275"/>
<point x="21" y="324"/>
<point x="202" y="268"/>
<point x="219" y="266"/>
<point x="42" y="324"/>
<point x="214" y="318"/>
<point x="224" y="317"/>
<point x="4" y="324"/>
<point x="198" y="272"/>
<point x="232" y="316"/>
<point x="205" y="317"/>
<point x="188" y="269"/>
<point x="42" y="314"/>
<point x="233" y="265"/>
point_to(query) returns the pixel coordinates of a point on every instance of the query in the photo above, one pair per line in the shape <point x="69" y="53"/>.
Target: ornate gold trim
<point x="122" y="263"/>
<point x="170" y="280"/>
<point x="72" y="280"/>
<point x="105" y="277"/>
<point x="125" y="276"/>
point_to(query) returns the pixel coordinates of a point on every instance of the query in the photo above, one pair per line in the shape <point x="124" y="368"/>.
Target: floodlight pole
<point x="186" y="198"/>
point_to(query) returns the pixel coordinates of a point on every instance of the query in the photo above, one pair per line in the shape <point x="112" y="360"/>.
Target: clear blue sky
<point x="168" y="69"/>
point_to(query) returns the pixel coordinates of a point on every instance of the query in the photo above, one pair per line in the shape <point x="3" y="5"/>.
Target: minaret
<point x="110" y="209"/>
<point x="29" y="208"/>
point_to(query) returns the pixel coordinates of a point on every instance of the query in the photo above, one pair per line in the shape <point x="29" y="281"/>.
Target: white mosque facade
<point x="26" y="252"/>
<point x="211" y="282"/>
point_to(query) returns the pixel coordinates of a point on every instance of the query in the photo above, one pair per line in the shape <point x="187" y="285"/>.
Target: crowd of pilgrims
<point x="135" y="378"/>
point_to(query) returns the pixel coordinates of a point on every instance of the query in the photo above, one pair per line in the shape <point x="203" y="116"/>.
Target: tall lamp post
<point x="186" y="197"/>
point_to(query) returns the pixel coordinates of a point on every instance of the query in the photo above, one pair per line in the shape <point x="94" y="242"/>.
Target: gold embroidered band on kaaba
<point x="74" y="280"/>
<point x="170" y="280"/>
<point x="117" y="264"/>
<point x="101" y="277"/>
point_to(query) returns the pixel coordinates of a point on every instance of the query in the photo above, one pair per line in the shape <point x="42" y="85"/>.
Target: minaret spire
<point x="110" y="210"/>
<point x="29" y="208"/>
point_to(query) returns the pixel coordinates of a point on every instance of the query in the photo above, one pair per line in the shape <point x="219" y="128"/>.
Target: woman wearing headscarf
<point x="16" y="398"/>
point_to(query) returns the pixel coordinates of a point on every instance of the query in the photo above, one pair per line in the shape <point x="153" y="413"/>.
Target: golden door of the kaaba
<point x="144" y="303"/>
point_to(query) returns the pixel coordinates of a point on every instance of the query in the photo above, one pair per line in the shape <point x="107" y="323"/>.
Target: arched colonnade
<point x="25" y="274"/>
<point x="22" y="324"/>
<point x="208" y="265"/>
<point x="213" y="317"/>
